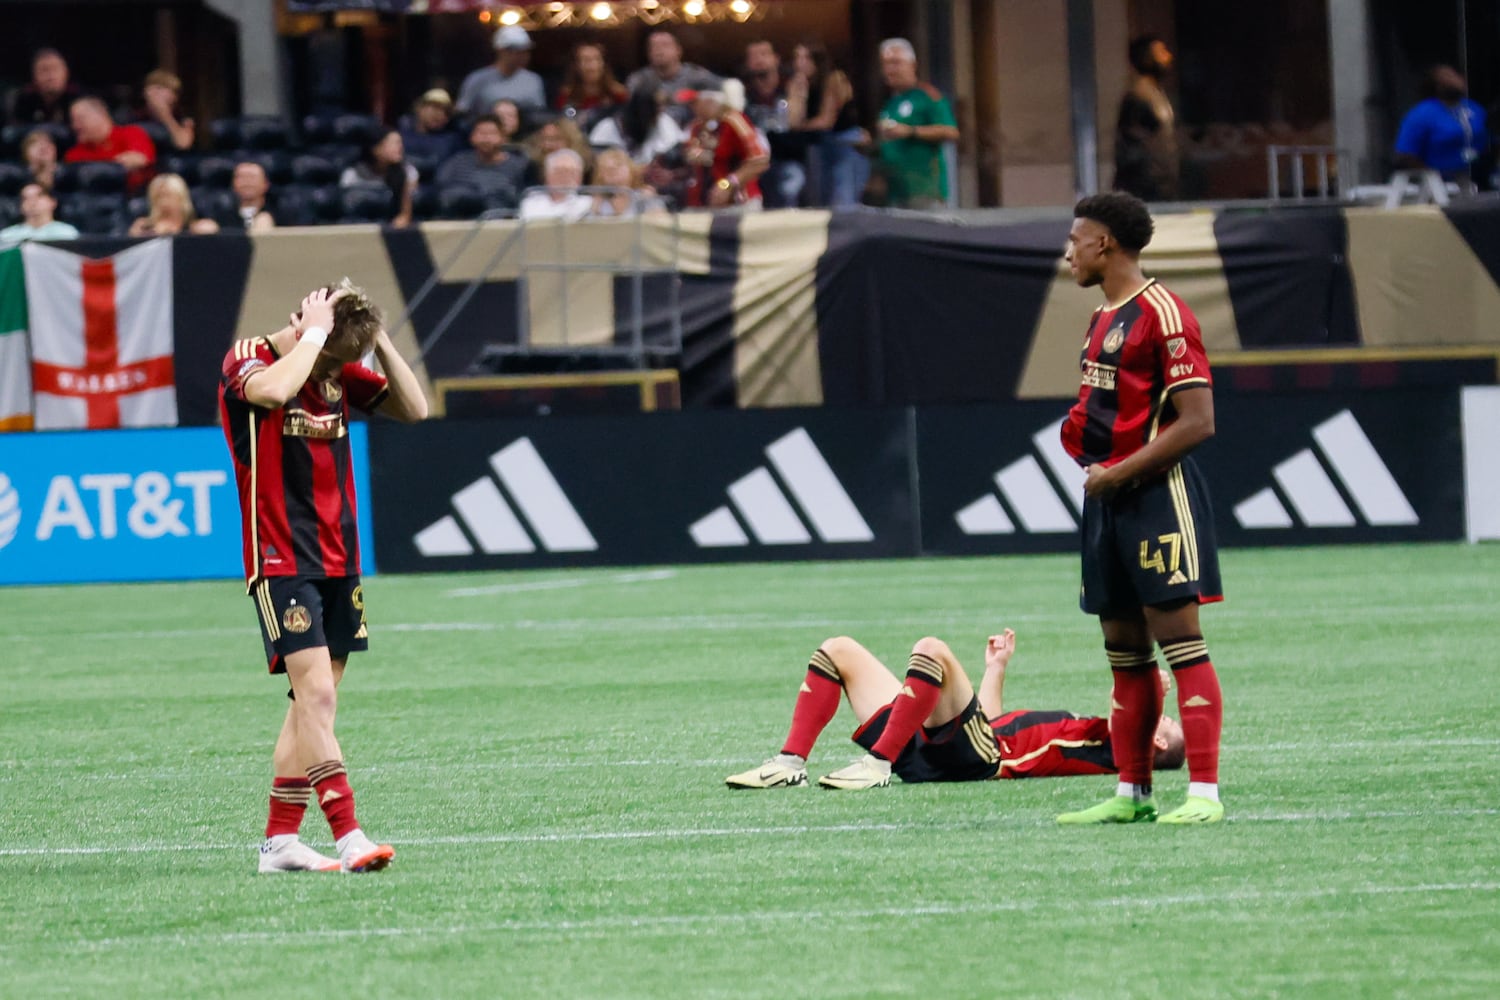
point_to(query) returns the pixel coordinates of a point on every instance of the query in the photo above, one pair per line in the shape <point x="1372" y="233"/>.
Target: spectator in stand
<point x="508" y="78"/>
<point x="914" y="124"/>
<point x="626" y="194"/>
<point x="1147" y="163"/>
<point x="512" y="120"/>
<point x="50" y="93"/>
<point x="171" y="210"/>
<point x="39" y="154"/>
<point x="37" y="207"/>
<point x="557" y="134"/>
<point x="589" y="90"/>
<point x="769" y="110"/>
<point x="820" y="100"/>
<point x="641" y="128"/>
<point x="428" y="131"/>
<point x="100" y="139"/>
<point x="667" y="76"/>
<point x="725" y="152"/>
<point x="561" y="198"/>
<point x="384" y="163"/>
<point x="1445" y="132"/>
<point x="488" y="167"/>
<point x="251" y="186"/>
<point x="161" y="94"/>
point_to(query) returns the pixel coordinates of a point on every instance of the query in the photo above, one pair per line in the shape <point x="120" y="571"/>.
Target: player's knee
<point x="935" y="648"/>
<point x="839" y="647"/>
<point x="317" y="699"/>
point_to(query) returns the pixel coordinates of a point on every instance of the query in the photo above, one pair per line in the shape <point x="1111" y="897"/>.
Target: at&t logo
<point x="10" y="511"/>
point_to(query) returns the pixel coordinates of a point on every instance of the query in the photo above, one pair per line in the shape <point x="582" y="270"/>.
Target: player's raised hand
<point x="317" y="310"/>
<point x="999" y="649"/>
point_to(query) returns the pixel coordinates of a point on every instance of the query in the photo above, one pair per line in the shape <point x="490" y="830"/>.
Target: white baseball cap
<point x="512" y="36"/>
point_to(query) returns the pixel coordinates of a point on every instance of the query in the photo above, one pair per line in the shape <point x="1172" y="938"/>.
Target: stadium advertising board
<point x="1324" y="468"/>
<point x="1481" y="408"/>
<point x="655" y="488"/>
<point x="81" y="507"/>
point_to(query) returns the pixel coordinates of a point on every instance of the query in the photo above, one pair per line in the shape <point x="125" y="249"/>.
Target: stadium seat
<point x="94" y="214"/>
<point x="215" y="171"/>
<point x="426" y="166"/>
<point x="356" y="130"/>
<point x="341" y="155"/>
<point x="314" y="170"/>
<point x="276" y="163"/>
<point x="317" y="130"/>
<point x="95" y="178"/>
<point x="263" y="132"/>
<point x="217" y="204"/>
<point x="459" y="201"/>
<point x="160" y="137"/>
<point x="137" y="207"/>
<point x="12" y="136"/>
<point x="225" y="133"/>
<point x="424" y="202"/>
<point x="326" y="203"/>
<point x="184" y="165"/>
<point x="292" y="205"/>
<point x="365" y="203"/>
<point x="10" y="211"/>
<point x="13" y="177"/>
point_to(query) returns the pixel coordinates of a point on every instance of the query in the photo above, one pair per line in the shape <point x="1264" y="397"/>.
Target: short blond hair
<point x="355" y="316"/>
<point x="169" y="185"/>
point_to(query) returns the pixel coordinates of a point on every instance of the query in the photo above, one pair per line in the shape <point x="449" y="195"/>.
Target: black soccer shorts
<point x="1151" y="544"/>
<point x="304" y="612"/>
<point x="962" y="749"/>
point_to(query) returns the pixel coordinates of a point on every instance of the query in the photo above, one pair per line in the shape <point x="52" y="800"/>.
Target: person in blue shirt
<point x="1446" y="132"/>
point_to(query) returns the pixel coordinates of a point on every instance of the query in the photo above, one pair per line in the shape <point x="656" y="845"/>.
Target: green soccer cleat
<point x="781" y="771"/>
<point x="867" y="772"/>
<point x="1119" y="809"/>
<point x="1195" y="810"/>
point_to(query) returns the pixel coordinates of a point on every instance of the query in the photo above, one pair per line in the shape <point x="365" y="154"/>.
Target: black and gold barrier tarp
<point x="859" y="308"/>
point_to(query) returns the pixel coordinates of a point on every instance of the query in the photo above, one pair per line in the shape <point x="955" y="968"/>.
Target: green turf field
<point x="547" y="751"/>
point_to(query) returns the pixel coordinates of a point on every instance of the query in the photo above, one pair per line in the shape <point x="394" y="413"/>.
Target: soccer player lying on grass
<point x="933" y="727"/>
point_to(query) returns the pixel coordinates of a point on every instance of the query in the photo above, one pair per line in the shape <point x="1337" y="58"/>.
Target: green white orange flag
<point x="15" y="366"/>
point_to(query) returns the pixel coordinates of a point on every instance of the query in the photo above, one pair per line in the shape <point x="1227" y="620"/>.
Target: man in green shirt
<point x="914" y="124"/>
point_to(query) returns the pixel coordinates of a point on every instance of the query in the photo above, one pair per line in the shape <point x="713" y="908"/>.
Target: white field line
<point x="649" y="923"/>
<point x="577" y="836"/>
<point x="563" y="583"/>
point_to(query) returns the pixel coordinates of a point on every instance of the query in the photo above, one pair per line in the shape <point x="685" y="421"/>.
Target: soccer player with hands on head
<point x="1149" y="556"/>
<point x="932" y="726"/>
<point x="284" y="404"/>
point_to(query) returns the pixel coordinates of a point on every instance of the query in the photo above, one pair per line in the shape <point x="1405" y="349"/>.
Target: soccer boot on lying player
<point x="1119" y="809"/>
<point x="785" y="770"/>
<point x="867" y="772"/>
<point x="358" y="853"/>
<point x="285" y="853"/>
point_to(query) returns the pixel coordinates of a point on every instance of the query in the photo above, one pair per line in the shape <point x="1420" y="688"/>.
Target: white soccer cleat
<point x="782" y="771"/>
<point x="285" y="853"/>
<point x="358" y="853"/>
<point x="867" y="772"/>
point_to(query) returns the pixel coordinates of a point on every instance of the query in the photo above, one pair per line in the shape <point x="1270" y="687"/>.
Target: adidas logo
<point x="492" y="522"/>
<point x="1304" y="482"/>
<point x="1030" y="497"/>
<point x="763" y="507"/>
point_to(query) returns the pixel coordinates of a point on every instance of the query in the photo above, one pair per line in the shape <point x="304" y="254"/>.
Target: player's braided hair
<point x="355" y="316"/>
<point x="1125" y="216"/>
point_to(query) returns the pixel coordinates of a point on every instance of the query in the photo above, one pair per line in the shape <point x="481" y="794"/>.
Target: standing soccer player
<point x="1149" y="557"/>
<point x="284" y="404"/>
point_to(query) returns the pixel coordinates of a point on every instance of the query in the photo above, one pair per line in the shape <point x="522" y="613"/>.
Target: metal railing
<point x="1325" y="161"/>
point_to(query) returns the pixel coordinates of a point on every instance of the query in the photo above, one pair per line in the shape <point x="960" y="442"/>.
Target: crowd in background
<point x="783" y="132"/>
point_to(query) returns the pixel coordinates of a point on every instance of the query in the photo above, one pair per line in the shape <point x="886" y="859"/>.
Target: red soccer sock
<point x="1201" y="704"/>
<point x="817" y="704"/>
<point x="1135" y="705"/>
<point x="331" y="784"/>
<point x="289" y="798"/>
<point x="918" y="697"/>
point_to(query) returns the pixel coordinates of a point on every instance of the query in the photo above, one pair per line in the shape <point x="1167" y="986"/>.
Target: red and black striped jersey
<point x="1052" y="745"/>
<point x="292" y="465"/>
<point x="1134" y="358"/>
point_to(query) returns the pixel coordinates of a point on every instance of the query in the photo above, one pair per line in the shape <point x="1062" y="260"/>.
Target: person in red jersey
<point x="1149" y="557"/>
<point x="284" y="405"/>
<point x="726" y="153"/>
<point x="961" y="737"/>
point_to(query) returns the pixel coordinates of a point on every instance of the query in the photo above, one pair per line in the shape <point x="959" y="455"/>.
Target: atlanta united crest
<point x="332" y="391"/>
<point x="1114" y="339"/>
<point x="296" y="619"/>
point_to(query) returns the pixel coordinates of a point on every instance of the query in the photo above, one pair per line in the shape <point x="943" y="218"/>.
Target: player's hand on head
<point x="317" y="310"/>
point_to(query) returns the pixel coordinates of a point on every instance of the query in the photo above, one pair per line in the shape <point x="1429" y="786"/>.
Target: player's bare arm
<point x="1194" y="425"/>
<point x="406" y="401"/>
<point x="997" y="653"/>
<point x="272" y="386"/>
